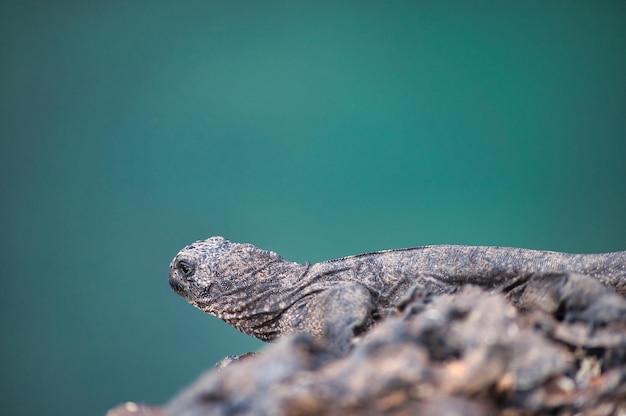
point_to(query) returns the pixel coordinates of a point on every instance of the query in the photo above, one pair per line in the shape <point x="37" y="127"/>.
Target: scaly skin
<point x="266" y="296"/>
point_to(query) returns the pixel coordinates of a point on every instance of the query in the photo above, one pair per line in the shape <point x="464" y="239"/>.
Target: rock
<point x="135" y="409"/>
<point x="469" y="353"/>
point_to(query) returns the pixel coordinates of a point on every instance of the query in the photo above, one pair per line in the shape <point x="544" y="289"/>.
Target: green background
<point x="317" y="130"/>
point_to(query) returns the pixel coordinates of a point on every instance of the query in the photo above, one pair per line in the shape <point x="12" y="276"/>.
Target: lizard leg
<point x="336" y="314"/>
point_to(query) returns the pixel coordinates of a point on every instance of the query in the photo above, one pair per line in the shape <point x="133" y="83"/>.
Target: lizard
<point x="264" y="295"/>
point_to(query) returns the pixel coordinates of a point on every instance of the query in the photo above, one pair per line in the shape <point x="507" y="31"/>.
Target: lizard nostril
<point x="176" y="285"/>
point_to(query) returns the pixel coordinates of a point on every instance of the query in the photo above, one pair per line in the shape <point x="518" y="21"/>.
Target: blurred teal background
<point x="317" y="130"/>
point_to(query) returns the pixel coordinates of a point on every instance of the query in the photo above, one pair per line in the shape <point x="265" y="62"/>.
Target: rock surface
<point x="469" y="353"/>
<point x="558" y="348"/>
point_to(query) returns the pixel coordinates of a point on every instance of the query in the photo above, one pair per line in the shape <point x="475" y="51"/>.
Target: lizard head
<point x="229" y="280"/>
<point x="193" y="272"/>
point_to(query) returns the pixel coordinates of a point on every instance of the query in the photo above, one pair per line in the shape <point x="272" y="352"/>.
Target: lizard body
<point x="266" y="296"/>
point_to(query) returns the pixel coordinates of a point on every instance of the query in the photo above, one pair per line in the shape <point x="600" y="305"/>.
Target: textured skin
<point x="266" y="296"/>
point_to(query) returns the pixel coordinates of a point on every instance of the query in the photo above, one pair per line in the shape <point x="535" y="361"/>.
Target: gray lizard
<point x="264" y="295"/>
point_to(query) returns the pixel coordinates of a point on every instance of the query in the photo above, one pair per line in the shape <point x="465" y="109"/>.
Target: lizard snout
<point x="180" y="270"/>
<point x="177" y="285"/>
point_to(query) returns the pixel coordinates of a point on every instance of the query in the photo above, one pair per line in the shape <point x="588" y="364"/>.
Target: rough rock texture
<point x="470" y="353"/>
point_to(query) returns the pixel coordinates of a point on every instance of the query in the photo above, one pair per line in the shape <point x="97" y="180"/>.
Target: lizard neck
<point x="254" y="303"/>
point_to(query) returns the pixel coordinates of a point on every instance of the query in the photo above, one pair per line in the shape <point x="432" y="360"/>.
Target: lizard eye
<point x="186" y="268"/>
